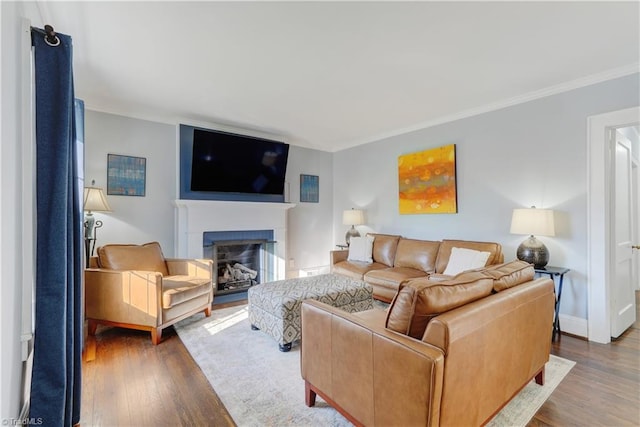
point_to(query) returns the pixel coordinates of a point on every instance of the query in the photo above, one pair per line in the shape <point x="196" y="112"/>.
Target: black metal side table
<point x="553" y="272"/>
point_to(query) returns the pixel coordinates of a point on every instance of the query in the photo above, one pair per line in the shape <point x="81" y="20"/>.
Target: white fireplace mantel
<point x="195" y="217"/>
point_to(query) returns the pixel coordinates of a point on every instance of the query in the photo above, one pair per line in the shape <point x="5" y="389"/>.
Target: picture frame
<point x="427" y="182"/>
<point x="309" y="188"/>
<point x="126" y="175"/>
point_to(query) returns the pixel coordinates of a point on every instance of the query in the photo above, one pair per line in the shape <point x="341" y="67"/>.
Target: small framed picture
<point x="126" y="175"/>
<point x="309" y="188"/>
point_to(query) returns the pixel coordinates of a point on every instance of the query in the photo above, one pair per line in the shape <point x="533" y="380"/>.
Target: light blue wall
<point x="151" y="218"/>
<point x="529" y="154"/>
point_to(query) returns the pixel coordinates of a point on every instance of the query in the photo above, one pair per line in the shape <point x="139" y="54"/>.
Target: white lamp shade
<point x="532" y="221"/>
<point x="95" y="201"/>
<point x="353" y="217"/>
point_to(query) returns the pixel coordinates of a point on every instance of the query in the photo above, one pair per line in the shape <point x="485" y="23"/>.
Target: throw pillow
<point x="463" y="259"/>
<point x="361" y="249"/>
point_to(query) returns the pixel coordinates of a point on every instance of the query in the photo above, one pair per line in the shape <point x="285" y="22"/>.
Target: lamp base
<point x="534" y="252"/>
<point x="352" y="232"/>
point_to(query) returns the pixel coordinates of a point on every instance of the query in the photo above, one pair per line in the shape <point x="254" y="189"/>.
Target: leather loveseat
<point x="136" y="287"/>
<point x="448" y="353"/>
<point x="396" y="259"/>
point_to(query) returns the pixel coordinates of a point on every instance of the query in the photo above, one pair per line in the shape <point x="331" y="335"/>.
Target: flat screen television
<point x="223" y="162"/>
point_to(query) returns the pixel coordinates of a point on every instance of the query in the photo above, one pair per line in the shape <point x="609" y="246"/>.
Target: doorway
<point x="599" y="220"/>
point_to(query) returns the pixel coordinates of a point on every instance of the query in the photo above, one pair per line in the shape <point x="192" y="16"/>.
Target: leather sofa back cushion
<point x="418" y="254"/>
<point x="384" y="248"/>
<point x="419" y="300"/>
<point x="147" y="257"/>
<point x="444" y="251"/>
<point x="510" y="274"/>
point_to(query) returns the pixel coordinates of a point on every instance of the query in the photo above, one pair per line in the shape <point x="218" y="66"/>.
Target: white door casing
<point x="598" y="218"/>
<point x="623" y="310"/>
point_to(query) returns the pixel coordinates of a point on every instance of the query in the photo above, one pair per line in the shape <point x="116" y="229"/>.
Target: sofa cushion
<point x="361" y="249"/>
<point x="355" y="270"/>
<point x="463" y="259"/>
<point x="419" y="300"/>
<point x="147" y="257"/>
<point x="384" y="248"/>
<point x="418" y="254"/>
<point x="510" y="274"/>
<point x="444" y="252"/>
<point x="392" y="277"/>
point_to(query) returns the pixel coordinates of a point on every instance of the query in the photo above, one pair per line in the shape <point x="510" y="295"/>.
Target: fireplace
<point x="195" y="217"/>
<point x="241" y="259"/>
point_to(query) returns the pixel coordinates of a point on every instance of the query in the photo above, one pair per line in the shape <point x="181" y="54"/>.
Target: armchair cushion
<point x="420" y="300"/>
<point x="178" y="289"/>
<point x="147" y="257"/>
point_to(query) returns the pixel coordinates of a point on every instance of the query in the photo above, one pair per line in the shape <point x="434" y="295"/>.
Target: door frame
<point x="598" y="218"/>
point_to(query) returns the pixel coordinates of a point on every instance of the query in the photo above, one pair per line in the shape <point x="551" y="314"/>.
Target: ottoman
<point x="274" y="307"/>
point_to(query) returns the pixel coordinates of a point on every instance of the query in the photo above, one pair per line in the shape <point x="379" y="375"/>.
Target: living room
<point x="529" y="148"/>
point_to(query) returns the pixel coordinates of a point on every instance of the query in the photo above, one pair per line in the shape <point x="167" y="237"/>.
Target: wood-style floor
<point x="134" y="383"/>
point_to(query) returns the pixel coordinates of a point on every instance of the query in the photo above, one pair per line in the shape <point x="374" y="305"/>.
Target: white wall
<point x="11" y="213"/>
<point x="529" y="154"/>
<point x="143" y="219"/>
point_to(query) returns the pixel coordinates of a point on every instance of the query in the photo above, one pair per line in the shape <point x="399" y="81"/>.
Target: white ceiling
<point x="331" y="75"/>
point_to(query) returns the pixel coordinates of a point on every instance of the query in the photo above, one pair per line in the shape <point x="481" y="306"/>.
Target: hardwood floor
<point x="134" y="383"/>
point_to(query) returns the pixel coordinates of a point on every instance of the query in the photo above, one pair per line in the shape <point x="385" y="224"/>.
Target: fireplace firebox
<point x="241" y="259"/>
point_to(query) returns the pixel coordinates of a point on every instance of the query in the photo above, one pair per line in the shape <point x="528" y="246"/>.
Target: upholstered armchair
<point x="135" y="287"/>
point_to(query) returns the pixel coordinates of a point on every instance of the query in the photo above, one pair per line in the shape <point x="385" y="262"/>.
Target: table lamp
<point x="533" y="222"/>
<point x="94" y="201"/>
<point x="352" y="217"/>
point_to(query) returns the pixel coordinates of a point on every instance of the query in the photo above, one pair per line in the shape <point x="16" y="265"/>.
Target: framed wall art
<point x="126" y="175"/>
<point x="427" y="181"/>
<point x="309" y="188"/>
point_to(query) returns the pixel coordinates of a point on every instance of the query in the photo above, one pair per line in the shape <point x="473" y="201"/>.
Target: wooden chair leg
<point x="207" y="311"/>
<point x="156" y="335"/>
<point x="309" y="395"/>
<point x="540" y="377"/>
<point x="92" y="326"/>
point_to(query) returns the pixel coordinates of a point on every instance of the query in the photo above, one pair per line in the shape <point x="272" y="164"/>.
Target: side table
<point x="553" y="272"/>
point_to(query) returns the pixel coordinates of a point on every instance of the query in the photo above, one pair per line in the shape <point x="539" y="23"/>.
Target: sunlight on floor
<point x="220" y="324"/>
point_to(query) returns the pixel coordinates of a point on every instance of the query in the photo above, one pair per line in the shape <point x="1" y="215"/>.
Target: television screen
<point x="229" y="163"/>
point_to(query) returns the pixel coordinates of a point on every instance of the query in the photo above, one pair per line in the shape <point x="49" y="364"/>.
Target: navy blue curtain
<point x="56" y="380"/>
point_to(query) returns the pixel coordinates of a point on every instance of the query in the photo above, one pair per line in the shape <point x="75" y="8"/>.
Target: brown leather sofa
<point x="135" y="287"/>
<point x="396" y="259"/>
<point x="448" y="353"/>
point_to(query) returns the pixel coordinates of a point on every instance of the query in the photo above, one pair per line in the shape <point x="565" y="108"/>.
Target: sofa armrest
<point x="503" y="339"/>
<point x="202" y="268"/>
<point x="337" y="256"/>
<point x="132" y="297"/>
<point x="360" y="366"/>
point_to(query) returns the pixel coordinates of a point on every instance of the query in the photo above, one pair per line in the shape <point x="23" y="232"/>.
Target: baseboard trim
<point x="574" y="325"/>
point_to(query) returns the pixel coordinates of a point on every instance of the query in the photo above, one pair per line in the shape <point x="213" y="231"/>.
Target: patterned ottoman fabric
<point x="275" y="307"/>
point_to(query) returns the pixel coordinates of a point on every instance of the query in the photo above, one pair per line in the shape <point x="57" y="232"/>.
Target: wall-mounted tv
<point x="227" y="166"/>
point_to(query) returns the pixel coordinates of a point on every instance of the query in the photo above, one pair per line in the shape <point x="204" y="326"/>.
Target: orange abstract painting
<point x="427" y="181"/>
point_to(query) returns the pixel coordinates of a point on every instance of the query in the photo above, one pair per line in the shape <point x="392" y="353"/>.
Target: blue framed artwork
<point x="126" y="175"/>
<point x="309" y="188"/>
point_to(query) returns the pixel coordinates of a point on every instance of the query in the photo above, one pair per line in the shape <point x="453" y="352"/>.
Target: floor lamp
<point x="94" y="201"/>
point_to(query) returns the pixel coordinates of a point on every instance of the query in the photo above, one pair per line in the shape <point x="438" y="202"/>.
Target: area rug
<point x="261" y="386"/>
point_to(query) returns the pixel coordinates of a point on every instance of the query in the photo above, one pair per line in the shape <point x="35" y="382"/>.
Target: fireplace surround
<point x="195" y="217"/>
